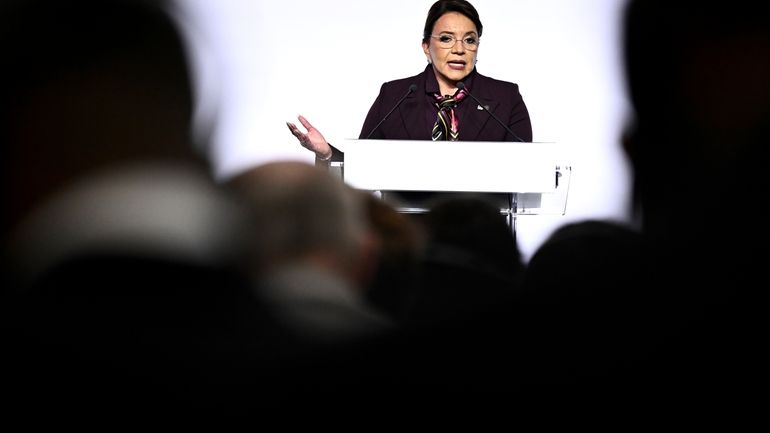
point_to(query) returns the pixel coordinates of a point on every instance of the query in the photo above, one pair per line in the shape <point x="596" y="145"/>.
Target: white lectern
<point x="532" y="176"/>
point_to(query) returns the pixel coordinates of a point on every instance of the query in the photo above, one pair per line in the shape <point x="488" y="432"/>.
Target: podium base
<point x="420" y="202"/>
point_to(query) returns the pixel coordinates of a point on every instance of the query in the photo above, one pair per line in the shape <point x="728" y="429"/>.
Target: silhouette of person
<point x="471" y="262"/>
<point x="314" y="254"/>
<point x="700" y="132"/>
<point x="401" y="242"/>
<point x="116" y="241"/>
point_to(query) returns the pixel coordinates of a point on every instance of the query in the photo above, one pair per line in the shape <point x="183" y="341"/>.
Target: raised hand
<point x="312" y="140"/>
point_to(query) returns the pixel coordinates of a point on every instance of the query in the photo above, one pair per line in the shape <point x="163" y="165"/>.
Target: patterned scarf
<point x="447" y="127"/>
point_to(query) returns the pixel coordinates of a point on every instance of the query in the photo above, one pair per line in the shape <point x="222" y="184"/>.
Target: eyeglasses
<point x="471" y="43"/>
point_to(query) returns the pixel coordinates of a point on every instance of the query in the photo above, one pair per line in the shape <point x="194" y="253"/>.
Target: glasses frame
<point x="467" y="46"/>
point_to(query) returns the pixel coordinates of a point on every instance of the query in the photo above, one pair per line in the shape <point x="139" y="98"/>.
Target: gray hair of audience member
<point x="302" y="213"/>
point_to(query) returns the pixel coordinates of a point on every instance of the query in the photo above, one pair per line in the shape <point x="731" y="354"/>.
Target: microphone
<point x="412" y="88"/>
<point x="461" y="86"/>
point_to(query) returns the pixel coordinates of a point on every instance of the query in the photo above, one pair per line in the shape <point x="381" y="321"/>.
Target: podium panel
<point x="526" y="178"/>
<point x="477" y="166"/>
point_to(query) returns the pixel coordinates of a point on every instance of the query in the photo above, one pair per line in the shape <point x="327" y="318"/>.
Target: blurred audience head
<point x="88" y="84"/>
<point x="697" y="78"/>
<point x="471" y="229"/>
<point x="305" y="214"/>
<point x="401" y="242"/>
<point x="471" y="266"/>
<point x="96" y="131"/>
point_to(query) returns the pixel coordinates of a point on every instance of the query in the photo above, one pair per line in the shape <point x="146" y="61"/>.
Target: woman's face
<point x="454" y="63"/>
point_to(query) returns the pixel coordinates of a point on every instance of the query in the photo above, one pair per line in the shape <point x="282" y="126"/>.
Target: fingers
<point x="295" y="131"/>
<point x="303" y="138"/>
<point x="305" y="123"/>
<point x="293" y="128"/>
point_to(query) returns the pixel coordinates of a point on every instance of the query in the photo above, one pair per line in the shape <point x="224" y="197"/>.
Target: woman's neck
<point x="447" y="89"/>
<point x="445" y="86"/>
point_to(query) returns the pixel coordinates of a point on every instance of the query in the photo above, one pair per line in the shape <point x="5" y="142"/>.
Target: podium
<point x="523" y="178"/>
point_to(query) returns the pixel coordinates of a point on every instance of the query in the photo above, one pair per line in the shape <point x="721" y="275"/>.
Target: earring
<point x="429" y="62"/>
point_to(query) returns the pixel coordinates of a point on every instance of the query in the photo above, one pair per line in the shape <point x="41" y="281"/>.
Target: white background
<point x="265" y="62"/>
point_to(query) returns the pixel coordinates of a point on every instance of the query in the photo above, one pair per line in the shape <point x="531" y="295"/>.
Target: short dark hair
<point x="443" y="6"/>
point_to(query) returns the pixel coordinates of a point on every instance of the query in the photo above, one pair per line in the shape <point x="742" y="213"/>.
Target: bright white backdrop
<point x="265" y="62"/>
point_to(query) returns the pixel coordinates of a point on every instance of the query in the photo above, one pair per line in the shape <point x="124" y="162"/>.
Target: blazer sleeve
<point x="519" y="120"/>
<point x="373" y="116"/>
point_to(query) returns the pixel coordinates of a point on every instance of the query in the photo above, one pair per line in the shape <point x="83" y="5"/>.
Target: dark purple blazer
<point x="415" y="116"/>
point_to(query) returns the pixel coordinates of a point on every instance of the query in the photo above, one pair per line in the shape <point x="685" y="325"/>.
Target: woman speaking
<point x="448" y="100"/>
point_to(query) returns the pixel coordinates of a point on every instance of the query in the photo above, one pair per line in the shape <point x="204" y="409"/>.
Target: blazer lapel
<point x="412" y="112"/>
<point x="417" y="113"/>
<point x="476" y="117"/>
